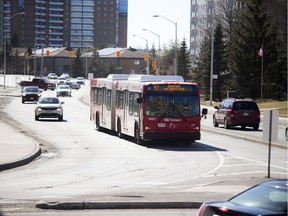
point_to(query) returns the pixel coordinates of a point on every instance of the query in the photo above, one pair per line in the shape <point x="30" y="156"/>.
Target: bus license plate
<point x="161" y="124"/>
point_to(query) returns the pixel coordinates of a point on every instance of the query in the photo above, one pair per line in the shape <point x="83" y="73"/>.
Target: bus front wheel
<point x="137" y="138"/>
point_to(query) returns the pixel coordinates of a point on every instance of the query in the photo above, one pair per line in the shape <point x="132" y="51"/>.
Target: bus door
<point x="126" y="108"/>
<point x="103" y="108"/>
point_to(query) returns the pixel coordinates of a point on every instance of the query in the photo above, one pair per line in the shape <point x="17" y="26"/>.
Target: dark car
<point x="268" y="198"/>
<point x="237" y="112"/>
<point x="30" y="93"/>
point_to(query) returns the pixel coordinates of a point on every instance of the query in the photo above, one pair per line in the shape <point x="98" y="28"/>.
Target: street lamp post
<point x="5" y="47"/>
<point x="147" y="69"/>
<point x="176" y="47"/>
<point x="158" y="46"/>
<point x="212" y="52"/>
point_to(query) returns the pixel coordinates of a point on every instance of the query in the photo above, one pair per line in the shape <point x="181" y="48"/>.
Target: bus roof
<point x="152" y="78"/>
<point x="118" y="76"/>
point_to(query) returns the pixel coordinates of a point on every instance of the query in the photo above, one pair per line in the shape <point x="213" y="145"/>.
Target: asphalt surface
<point x="17" y="149"/>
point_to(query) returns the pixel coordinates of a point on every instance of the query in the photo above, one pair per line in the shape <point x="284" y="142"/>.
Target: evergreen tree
<point x="219" y="65"/>
<point x="77" y="66"/>
<point x="201" y="74"/>
<point x="183" y="63"/>
<point x="253" y="30"/>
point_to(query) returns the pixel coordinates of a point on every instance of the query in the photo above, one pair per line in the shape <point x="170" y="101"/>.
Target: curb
<point x="24" y="161"/>
<point x="246" y="138"/>
<point x="74" y="205"/>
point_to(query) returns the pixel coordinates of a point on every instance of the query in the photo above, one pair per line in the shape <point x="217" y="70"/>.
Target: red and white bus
<point x="147" y="107"/>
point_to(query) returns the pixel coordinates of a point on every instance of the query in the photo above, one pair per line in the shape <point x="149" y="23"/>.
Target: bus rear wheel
<point x="97" y="122"/>
<point x="119" y="133"/>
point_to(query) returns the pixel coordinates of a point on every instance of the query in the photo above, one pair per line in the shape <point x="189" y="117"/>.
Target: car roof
<point x="282" y="183"/>
<point x="242" y="99"/>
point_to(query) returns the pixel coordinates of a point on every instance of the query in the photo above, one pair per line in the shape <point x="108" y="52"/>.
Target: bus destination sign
<point x="171" y="88"/>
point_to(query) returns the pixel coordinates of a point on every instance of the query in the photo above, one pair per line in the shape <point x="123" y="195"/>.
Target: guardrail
<point x="13" y="80"/>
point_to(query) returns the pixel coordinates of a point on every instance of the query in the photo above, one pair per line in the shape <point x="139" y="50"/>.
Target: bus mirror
<point x="204" y="112"/>
<point x="139" y="100"/>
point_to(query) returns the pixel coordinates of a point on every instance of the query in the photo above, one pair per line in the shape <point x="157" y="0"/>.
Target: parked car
<point x="73" y="84"/>
<point x="49" y="107"/>
<point x="63" y="90"/>
<point x="30" y="93"/>
<point x="237" y="112"/>
<point x="80" y="80"/>
<point x="268" y="198"/>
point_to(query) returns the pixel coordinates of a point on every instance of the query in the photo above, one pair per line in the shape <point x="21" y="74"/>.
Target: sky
<point x="140" y="16"/>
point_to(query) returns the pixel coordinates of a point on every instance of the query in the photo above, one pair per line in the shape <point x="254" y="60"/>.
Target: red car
<point x="237" y="112"/>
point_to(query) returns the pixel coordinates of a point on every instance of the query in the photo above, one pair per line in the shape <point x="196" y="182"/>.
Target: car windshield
<point x="63" y="87"/>
<point x="264" y="197"/>
<point x="163" y="106"/>
<point x="31" y="90"/>
<point x="48" y="100"/>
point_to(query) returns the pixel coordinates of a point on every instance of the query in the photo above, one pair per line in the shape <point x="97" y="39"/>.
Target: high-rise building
<point x="70" y="23"/>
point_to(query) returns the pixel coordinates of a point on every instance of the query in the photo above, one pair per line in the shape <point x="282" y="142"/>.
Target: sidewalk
<point x="16" y="149"/>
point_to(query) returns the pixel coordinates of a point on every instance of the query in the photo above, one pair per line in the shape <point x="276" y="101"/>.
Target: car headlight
<point x="39" y="108"/>
<point x="24" y="95"/>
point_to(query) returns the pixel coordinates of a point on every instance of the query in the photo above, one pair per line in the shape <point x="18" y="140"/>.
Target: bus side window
<point x="99" y="96"/>
<point x="131" y="99"/>
<point x="94" y="96"/>
<point x="121" y="99"/>
<point x="108" y="99"/>
<point x="117" y="99"/>
<point x="135" y="104"/>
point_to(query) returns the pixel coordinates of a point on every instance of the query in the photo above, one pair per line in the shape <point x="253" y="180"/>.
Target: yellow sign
<point x="154" y="63"/>
<point x="118" y="54"/>
<point x="146" y="57"/>
<point x="47" y="52"/>
<point x="71" y="54"/>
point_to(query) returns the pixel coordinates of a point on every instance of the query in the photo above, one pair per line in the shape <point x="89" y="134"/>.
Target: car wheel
<point x="256" y="127"/>
<point x="226" y="125"/>
<point x="243" y="127"/>
<point x="215" y="123"/>
<point x="60" y="118"/>
<point x="36" y="118"/>
<point x="23" y="101"/>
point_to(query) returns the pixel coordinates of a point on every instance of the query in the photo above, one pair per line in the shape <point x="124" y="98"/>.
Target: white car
<point x="74" y="84"/>
<point x="80" y="80"/>
<point x="49" y="107"/>
<point x="63" y="90"/>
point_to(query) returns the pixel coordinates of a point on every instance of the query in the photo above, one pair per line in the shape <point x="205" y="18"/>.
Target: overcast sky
<point x="140" y="16"/>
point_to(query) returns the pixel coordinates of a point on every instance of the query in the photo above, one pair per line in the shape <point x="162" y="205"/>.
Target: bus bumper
<point x="171" y="136"/>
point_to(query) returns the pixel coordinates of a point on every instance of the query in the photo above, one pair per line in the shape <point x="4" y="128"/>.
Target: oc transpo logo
<point x="172" y="125"/>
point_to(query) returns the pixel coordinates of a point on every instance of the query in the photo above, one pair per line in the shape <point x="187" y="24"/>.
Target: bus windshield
<point x="171" y="105"/>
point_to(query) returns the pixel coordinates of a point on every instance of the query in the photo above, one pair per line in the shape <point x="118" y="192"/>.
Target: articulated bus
<point x="147" y="107"/>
